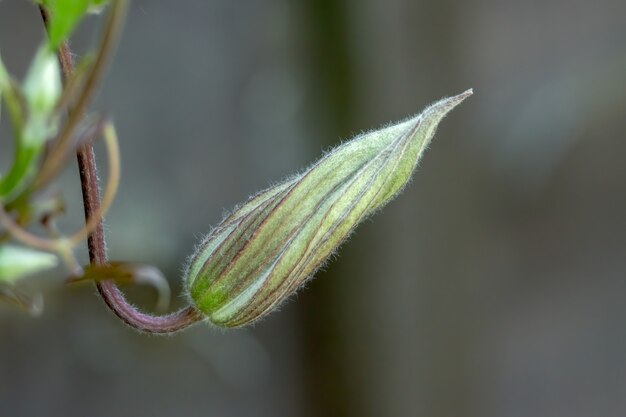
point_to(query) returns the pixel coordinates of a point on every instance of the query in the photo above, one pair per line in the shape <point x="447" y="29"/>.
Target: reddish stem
<point x="96" y="243"/>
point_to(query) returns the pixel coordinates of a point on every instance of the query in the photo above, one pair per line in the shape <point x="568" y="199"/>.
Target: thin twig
<point x="22" y="235"/>
<point x="109" y="39"/>
<point x="96" y="243"/>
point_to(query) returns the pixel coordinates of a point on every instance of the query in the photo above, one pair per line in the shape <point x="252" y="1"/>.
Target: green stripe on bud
<point x="270" y="246"/>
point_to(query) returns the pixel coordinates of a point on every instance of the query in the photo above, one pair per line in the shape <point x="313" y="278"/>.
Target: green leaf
<point x="96" y="6"/>
<point x="4" y="81"/>
<point x="65" y="15"/>
<point x="41" y="90"/>
<point x="17" y="262"/>
<point x="21" y="170"/>
<point x="4" y="76"/>
<point x="2" y="71"/>
<point x="8" y="91"/>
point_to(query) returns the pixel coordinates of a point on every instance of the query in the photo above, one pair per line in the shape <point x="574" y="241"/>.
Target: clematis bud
<point x="267" y="248"/>
<point x="42" y="89"/>
<point x="42" y="86"/>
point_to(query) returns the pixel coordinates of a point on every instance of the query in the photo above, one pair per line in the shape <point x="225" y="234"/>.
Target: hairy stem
<point x="96" y="243"/>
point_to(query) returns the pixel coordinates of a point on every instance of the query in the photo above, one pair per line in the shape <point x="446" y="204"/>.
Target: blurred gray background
<point x="493" y="287"/>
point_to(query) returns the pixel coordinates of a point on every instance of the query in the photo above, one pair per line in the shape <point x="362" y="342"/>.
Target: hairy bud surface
<point x="268" y="247"/>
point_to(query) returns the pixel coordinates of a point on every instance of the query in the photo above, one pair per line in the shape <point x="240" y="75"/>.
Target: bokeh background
<point x="493" y="287"/>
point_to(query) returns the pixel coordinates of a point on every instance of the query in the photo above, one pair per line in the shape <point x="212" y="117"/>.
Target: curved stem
<point x="93" y="219"/>
<point x="143" y="322"/>
<point x="110" y="293"/>
<point x="27" y="238"/>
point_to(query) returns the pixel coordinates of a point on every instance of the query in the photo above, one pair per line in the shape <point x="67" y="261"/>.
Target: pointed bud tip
<point x="465" y="94"/>
<point x="438" y="110"/>
<point x="456" y="100"/>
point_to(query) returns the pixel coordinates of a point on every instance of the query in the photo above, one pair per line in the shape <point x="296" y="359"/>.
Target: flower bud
<point x="42" y="89"/>
<point x="267" y="248"/>
<point x="42" y="85"/>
